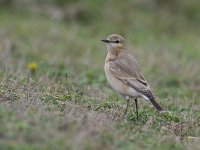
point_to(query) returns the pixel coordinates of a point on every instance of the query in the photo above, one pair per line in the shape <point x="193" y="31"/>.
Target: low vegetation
<point x="53" y="91"/>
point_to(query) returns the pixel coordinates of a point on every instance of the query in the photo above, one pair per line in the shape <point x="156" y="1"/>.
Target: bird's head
<point x="114" y="42"/>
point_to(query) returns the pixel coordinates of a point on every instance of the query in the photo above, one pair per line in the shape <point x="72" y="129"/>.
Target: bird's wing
<point x="127" y="70"/>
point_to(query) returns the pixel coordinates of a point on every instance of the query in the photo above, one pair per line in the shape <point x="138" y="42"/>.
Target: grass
<point x="68" y="104"/>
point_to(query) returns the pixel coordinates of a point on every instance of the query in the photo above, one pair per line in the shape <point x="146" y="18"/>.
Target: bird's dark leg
<point x="136" y="108"/>
<point x="127" y="105"/>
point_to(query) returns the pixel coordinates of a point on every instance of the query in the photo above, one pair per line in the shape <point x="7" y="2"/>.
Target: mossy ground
<point x="66" y="102"/>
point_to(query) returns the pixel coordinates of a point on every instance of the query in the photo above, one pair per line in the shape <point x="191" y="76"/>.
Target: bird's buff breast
<point x="118" y="85"/>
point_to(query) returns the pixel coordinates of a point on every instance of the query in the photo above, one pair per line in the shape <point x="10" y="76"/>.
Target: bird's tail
<point x="155" y="104"/>
<point x="147" y="94"/>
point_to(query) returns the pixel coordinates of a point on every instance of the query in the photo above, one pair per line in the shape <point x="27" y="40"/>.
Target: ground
<point x="53" y="91"/>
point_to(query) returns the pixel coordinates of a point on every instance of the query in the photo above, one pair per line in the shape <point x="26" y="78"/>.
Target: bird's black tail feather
<point x="155" y="104"/>
<point x="147" y="93"/>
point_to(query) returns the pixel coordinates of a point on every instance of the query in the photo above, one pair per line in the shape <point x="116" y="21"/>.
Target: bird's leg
<point x="136" y="107"/>
<point x="127" y="104"/>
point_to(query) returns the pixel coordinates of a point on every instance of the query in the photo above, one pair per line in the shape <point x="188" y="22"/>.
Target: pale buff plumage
<point x="123" y="73"/>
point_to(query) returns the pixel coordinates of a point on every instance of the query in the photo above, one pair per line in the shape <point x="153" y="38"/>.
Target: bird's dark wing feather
<point x="127" y="70"/>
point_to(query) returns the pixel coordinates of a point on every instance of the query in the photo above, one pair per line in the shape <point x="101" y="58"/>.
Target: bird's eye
<point x="117" y="41"/>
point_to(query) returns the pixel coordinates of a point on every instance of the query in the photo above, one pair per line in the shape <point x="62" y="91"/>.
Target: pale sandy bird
<point x="123" y="73"/>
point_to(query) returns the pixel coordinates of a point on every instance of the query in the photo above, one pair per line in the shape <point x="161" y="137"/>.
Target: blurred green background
<point x="53" y="91"/>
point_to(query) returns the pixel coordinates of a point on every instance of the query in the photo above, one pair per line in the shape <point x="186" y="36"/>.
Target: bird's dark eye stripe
<point x="117" y="41"/>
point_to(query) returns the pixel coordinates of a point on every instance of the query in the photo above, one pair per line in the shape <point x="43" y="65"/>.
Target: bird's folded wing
<point x="128" y="72"/>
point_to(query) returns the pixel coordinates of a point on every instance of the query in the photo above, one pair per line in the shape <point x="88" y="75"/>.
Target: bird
<point x="123" y="73"/>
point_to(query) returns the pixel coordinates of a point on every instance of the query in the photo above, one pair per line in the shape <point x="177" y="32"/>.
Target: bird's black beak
<point x="106" y="41"/>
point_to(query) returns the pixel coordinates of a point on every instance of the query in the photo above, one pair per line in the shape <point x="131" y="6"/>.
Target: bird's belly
<point x="132" y="92"/>
<point x="120" y="86"/>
